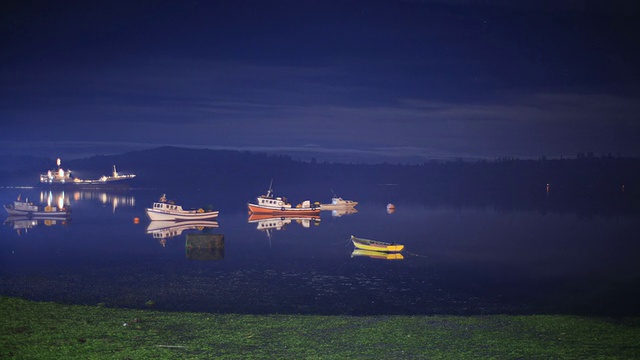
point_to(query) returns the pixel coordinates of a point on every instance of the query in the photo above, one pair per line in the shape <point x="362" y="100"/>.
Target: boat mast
<point x="270" y="191"/>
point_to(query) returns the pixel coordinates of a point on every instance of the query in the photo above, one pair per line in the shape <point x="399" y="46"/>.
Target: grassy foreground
<point x="39" y="330"/>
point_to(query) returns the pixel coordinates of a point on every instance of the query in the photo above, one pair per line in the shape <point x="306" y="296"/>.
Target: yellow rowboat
<point x="377" y="254"/>
<point x="366" y="244"/>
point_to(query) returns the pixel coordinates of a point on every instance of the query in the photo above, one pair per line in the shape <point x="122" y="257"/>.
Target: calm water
<point x="458" y="260"/>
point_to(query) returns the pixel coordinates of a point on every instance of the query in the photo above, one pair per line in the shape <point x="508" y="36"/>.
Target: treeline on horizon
<point x="583" y="178"/>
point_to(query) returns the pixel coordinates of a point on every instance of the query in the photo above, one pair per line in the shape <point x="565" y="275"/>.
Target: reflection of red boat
<point x="267" y="221"/>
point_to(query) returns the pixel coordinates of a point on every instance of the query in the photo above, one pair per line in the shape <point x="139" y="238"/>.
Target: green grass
<point x="40" y="330"/>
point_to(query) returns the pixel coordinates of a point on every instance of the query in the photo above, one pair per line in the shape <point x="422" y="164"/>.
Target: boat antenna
<point x="334" y="194"/>
<point x="270" y="191"/>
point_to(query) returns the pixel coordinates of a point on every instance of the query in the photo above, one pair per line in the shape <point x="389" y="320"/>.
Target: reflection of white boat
<point x="27" y="208"/>
<point x="162" y="229"/>
<point x="338" y="203"/>
<point x="345" y="211"/>
<point x="25" y="223"/>
<point x="269" y="222"/>
<point x="64" y="177"/>
<point x="268" y="204"/>
<point x="168" y="210"/>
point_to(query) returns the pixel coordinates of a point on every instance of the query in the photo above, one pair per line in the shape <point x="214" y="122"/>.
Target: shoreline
<point x="30" y="329"/>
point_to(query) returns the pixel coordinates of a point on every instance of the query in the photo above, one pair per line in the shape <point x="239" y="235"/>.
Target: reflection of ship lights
<point x="64" y="199"/>
<point x="61" y="201"/>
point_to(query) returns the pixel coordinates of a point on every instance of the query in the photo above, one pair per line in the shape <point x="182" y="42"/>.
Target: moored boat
<point x="29" y="209"/>
<point x="165" y="209"/>
<point x="367" y="244"/>
<point x="338" y="203"/>
<point x="268" y="204"/>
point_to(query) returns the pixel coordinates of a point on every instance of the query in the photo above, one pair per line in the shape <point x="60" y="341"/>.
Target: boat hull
<point x="186" y="215"/>
<point x="337" y="206"/>
<point x="373" y="245"/>
<point x="258" y="209"/>
<point x="38" y="213"/>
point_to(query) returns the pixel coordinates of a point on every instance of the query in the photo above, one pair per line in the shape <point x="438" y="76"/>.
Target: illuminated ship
<point x="64" y="177"/>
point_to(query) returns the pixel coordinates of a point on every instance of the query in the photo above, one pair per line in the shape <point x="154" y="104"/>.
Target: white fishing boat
<point x="268" y="204"/>
<point x="169" y="210"/>
<point x="338" y="203"/>
<point x="29" y="209"/>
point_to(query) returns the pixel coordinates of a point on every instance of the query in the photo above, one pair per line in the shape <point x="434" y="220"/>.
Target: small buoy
<point x="136" y="220"/>
<point x="391" y="208"/>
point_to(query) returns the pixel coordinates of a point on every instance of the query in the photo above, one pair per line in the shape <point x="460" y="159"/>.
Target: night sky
<point x="338" y="80"/>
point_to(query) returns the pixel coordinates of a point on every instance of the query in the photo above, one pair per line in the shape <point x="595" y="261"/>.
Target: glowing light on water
<point x="61" y="201"/>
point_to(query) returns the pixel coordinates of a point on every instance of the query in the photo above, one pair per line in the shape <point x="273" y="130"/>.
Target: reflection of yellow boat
<point x="366" y="244"/>
<point x="377" y="254"/>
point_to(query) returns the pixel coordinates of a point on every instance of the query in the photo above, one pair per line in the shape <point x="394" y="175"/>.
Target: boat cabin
<point x="271" y="202"/>
<point x="166" y="206"/>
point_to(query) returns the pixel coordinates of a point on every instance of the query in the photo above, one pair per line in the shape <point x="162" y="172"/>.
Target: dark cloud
<point x="404" y="78"/>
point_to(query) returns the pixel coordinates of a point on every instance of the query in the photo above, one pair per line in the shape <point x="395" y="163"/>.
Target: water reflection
<point x="24" y="223"/>
<point x="165" y="229"/>
<point x="55" y="198"/>
<point x="268" y="223"/>
<point x="480" y="260"/>
<point x="376" y="254"/>
<point x="62" y="197"/>
<point x="344" y="211"/>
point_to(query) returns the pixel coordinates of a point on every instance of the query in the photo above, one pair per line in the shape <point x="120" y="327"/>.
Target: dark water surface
<point x="457" y="260"/>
